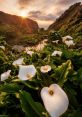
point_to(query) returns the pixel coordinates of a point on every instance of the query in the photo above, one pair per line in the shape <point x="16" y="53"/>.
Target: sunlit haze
<point x="23" y="14"/>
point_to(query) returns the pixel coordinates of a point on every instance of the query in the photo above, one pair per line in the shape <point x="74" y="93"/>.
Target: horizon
<point x="44" y="15"/>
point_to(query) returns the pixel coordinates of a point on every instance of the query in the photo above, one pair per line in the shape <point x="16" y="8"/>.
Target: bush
<point x="53" y="35"/>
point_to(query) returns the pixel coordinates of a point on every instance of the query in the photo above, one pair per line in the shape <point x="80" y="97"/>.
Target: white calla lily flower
<point x="55" y="42"/>
<point x="26" y="72"/>
<point x="18" y="62"/>
<point x="57" y="53"/>
<point x="55" y="100"/>
<point x="30" y="52"/>
<point x="67" y="38"/>
<point x="69" y="43"/>
<point x="2" y="47"/>
<point x="45" y="69"/>
<point x="45" y="40"/>
<point x="5" y="75"/>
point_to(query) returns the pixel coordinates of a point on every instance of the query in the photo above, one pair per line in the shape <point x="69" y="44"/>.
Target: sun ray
<point x="23" y="14"/>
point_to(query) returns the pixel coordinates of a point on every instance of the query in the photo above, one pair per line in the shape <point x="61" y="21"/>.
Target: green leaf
<point x="10" y="88"/>
<point x="26" y="107"/>
<point x="4" y="116"/>
<point x="64" y="70"/>
<point x="29" y="106"/>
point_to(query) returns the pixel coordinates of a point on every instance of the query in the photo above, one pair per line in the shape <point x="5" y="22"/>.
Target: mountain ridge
<point x="70" y="22"/>
<point x="29" y="25"/>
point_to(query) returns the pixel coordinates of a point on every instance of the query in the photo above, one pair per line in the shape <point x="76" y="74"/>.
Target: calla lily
<point x="45" y="69"/>
<point x="57" y="53"/>
<point x="18" y="62"/>
<point x="45" y="40"/>
<point x="5" y="75"/>
<point x="67" y="38"/>
<point x="69" y="43"/>
<point x="26" y="72"/>
<point x="30" y="52"/>
<point x="2" y="47"/>
<point x="55" y="100"/>
<point x="56" y="41"/>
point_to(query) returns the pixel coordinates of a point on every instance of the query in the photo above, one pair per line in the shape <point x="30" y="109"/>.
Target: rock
<point x="19" y="48"/>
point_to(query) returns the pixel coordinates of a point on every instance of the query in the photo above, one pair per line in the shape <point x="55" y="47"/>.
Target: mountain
<point x="15" y="28"/>
<point x="27" y="25"/>
<point x="70" y="22"/>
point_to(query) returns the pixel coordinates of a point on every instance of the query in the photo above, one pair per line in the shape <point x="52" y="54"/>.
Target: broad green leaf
<point x="4" y="116"/>
<point x="28" y="102"/>
<point x="26" y="107"/>
<point x="79" y="77"/>
<point x="10" y="88"/>
<point x="28" y="84"/>
<point x="64" y="71"/>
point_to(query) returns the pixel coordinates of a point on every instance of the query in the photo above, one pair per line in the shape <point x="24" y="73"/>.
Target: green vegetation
<point x="70" y="22"/>
<point x="14" y="36"/>
<point x="22" y="98"/>
<point x="31" y="39"/>
<point x="75" y="30"/>
<point x="54" y="35"/>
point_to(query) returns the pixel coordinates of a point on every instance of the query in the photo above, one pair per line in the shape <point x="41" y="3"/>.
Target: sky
<point x="44" y="12"/>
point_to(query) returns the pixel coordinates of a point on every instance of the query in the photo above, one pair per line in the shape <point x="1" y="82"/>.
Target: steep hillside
<point x="14" y="28"/>
<point x="27" y="25"/>
<point x="70" y="22"/>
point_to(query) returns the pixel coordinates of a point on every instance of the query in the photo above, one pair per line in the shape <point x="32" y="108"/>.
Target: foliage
<point x="53" y="35"/>
<point x="22" y="98"/>
<point x="31" y="39"/>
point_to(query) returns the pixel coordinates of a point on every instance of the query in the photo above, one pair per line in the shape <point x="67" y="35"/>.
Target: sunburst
<point x="23" y="14"/>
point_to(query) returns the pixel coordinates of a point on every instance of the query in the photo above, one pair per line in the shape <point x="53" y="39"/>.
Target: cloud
<point x="24" y="3"/>
<point x="47" y="11"/>
<point x="64" y="3"/>
<point x="38" y="15"/>
<point x="34" y="14"/>
<point x="1" y="1"/>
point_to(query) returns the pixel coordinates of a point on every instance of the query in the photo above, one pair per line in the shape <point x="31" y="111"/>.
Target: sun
<point x="23" y="14"/>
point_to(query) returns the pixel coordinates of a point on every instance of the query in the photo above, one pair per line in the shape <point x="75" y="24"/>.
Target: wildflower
<point x="69" y="43"/>
<point x="45" y="40"/>
<point x="45" y="69"/>
<point x="2" y="47"/>
<point x="57" y="53"/>
<point x="30" y="52"/>
<point x="55" y="100"/>
<point x="66" y="38"/>
<point x="5" y="75"/>
<point x="26" y="72"/>
<point x="18" y="62"/>
<point x="56" y="41"/>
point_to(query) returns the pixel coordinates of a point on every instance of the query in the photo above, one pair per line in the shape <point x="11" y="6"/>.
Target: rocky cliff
<point x="70" y="22"/>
